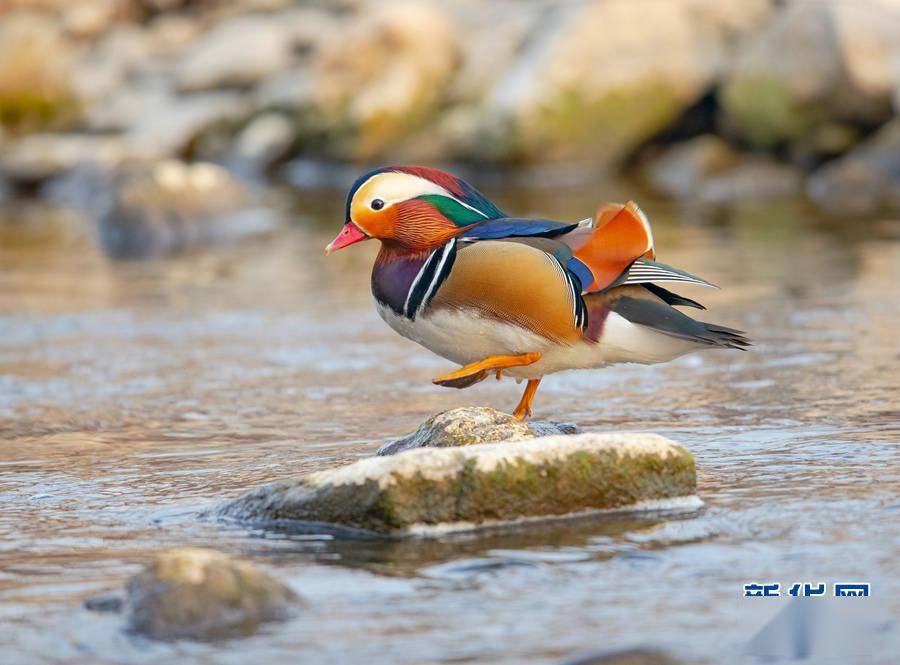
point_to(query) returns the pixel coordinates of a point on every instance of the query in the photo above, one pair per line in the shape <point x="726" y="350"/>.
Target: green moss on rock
<point x="766" y="112"/>
<point x="575" y="124"/>
<point x="22" y="110"/>
<point x="482" y="484"/>
<point x="36" y="91"/>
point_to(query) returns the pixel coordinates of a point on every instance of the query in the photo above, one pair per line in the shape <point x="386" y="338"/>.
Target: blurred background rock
<point x="701" y="100"/>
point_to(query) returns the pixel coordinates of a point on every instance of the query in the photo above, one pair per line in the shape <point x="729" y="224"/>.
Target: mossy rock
<point x="198" y="593"/>
<point x="471" y="425"/>
<point x="575" y="124"/>
<point x="766" y="112"/>
<point x="36" y="90"/>
<point x="432" y="490"/>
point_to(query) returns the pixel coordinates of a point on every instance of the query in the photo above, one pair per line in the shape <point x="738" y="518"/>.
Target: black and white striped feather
<point x="429" y="279"/>
<point x="579" y="308"/>
<point x="643" y="271"/>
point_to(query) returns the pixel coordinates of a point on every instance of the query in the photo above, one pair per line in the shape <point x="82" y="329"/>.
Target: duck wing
<point x="518" y="283"/>
<point x="613" y="250"/>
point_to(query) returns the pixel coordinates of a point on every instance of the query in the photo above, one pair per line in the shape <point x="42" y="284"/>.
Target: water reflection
<point x="596" y="537"/>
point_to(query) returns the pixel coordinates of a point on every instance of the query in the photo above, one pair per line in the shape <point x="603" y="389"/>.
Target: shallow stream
<point x="133" y="395"/>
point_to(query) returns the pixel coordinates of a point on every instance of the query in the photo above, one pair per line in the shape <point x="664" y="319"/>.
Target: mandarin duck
<point x="524" y="297"/>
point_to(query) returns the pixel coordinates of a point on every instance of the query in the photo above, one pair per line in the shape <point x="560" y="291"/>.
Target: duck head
<point x="410" y="209"/>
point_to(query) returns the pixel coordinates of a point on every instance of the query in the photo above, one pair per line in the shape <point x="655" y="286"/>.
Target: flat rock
<point x="434" y="490"/>
<point x="471" y="425"/>
<point x="202" y="594"/>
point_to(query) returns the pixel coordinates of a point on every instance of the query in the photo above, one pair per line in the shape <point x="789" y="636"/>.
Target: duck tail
<point x="665" y="319"/>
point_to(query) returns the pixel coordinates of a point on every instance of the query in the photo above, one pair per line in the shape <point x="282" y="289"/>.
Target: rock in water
<point x="708" y="170"/>
<point x="469" y="425"/>
<point x="432" y="490"/>
<point x="176" y="207"/>
<point x="864" y="181"/>
<point x="202" y="594"/>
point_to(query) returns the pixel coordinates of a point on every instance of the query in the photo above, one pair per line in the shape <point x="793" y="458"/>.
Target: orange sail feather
<point x="621" y="234"/>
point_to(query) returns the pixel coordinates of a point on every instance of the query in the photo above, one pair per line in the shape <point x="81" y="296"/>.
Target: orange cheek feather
<point x="376" y="223"/>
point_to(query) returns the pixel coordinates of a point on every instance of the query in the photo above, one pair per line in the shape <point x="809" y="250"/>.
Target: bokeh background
<point x="700" y="100"/>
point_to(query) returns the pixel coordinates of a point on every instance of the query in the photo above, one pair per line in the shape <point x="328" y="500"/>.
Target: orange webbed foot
<point x="523" y="409"/>
<point x="478" y="371"/>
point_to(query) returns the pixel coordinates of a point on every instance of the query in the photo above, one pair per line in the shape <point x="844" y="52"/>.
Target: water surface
<point x="133" y="395"/>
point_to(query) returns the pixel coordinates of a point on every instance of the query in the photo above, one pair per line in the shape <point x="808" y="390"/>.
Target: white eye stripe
<point x="395" y="187"/>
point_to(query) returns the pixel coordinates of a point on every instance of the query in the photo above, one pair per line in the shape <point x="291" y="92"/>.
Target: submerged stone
<point x="107" y="602"/>
<point x="471" y="425"/>
<point x="627" y="657"/>
<point x="432" y="490"/>
<point x="198" y="593"/>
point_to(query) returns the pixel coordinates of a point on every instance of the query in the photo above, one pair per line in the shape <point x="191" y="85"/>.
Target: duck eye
<point x="377" y="204"/>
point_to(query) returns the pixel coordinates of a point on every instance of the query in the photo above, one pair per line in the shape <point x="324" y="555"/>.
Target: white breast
<point x="464" y="336"/>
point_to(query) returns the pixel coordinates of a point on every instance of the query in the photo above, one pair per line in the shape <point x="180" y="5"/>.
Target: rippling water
<point x="133" y="395"/>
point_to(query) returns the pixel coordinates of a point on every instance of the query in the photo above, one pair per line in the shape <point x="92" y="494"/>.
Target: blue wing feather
<point x="581" y="271"/>
<point x="513" y="227"/>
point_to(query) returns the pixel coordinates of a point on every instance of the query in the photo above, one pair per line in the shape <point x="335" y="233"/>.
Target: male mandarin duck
<point x="528" y="297"/>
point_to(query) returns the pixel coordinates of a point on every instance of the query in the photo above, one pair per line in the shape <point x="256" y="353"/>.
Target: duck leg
<point x="478" y="371"/>
<point x="523" y="410"/>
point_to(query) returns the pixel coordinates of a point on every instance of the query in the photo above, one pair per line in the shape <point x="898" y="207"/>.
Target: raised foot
<point x="479" y="371"/>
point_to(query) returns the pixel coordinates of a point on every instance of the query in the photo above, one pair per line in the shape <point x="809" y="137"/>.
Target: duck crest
<point x="406" y="282"/>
